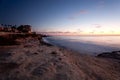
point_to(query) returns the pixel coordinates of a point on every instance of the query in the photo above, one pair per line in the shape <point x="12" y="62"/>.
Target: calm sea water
<point x="87" y="44"/>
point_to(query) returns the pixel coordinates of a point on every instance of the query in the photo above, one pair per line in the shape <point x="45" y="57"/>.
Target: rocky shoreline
<point x="113" y="55"/>
<point x="28" y="57"/>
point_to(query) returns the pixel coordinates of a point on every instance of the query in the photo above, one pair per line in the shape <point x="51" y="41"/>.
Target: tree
<point x="24" y="28"/>
<point x="14" y="28"/>
<point x="2" y="24"/>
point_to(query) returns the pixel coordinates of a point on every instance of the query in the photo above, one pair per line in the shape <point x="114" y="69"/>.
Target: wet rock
<point x="113" y="55"/>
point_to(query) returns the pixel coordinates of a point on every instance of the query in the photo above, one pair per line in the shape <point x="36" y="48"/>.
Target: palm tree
<point x="2" y="24"/>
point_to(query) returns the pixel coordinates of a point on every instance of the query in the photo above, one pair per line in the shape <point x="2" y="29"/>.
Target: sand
<point x="34" y="60"/>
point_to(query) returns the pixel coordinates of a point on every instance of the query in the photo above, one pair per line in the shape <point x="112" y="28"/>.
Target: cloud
<point x="112" y="31"/>
<point x="92" y="32"/>
<point x="101" y="31"/>
<point x="97" y="26"/>
<point x="75" y="15"/>
<point x="79" y="30"/>
<point x="59" y="33"/>
<point x="71" y="18"/>
<point x="80" y="13"/>
<point x="83" y="12"/>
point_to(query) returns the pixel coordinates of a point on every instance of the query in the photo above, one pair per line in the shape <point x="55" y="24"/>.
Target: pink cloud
<point x="92" y="32"/>
<point x="59" y="33"/>
<point x="83" y="11"/>
<point x="79" y="30"/>
<point x="71" y="18"/>
<point x="77" y="14"/>
<point x="97" y="26"/>
<point x="112" y="31"/>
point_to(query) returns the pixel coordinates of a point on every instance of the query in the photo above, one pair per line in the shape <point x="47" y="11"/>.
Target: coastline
<point x="79" y="46"/>
<point x="34" y="59"/>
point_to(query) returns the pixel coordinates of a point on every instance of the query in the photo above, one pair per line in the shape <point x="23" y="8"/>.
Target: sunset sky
<point x="78" y="17"/>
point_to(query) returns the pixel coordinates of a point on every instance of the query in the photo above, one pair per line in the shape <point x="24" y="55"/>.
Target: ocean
<point x="86" y="44"/>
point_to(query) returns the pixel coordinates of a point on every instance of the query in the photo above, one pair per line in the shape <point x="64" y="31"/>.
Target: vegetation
<point x="15" y="28"/>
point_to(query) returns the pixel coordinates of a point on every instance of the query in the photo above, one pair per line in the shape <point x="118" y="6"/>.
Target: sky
<point x="72" y="17"/>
